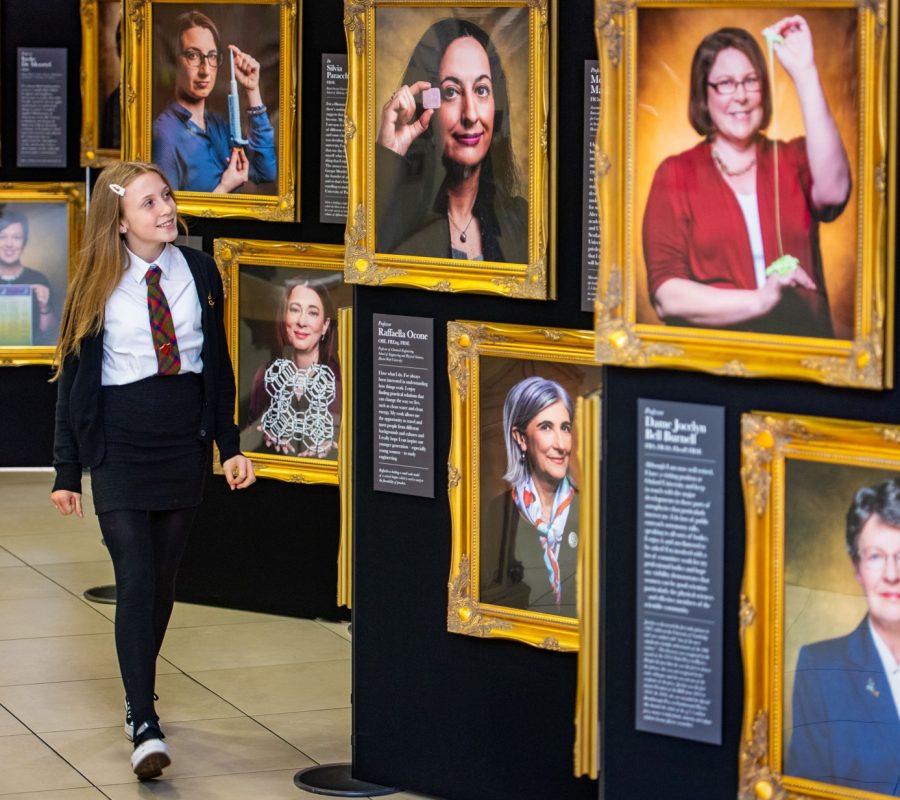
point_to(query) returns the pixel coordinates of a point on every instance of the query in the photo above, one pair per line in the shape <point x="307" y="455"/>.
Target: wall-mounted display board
<point x="747" y="187"/>
<point x="820" y="608"/>
<point x="515" y="488"/>
<point x="449" y="145"/>
<point x="40" y="233"/>
<point x="212" y="98"/>
<point x="101" y="78"/>
<point x="281" y="319"/>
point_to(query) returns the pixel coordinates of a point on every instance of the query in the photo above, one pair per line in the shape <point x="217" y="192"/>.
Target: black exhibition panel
<point x="275" y="549"/>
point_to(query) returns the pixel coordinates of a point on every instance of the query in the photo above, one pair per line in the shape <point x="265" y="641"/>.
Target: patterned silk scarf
<point x="550" y="528"/>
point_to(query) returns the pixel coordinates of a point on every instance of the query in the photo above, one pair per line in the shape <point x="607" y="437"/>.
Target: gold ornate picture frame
<point x="261" y="135"/>
<point x="513" y="574"/>
<point x="101" y="77"/>
<point x="655" y="171"/>
<point x="286" y="336"/>
<point x="40" y="235"/>
<point x="401" y="229"/>
<point x="821" y="500"/>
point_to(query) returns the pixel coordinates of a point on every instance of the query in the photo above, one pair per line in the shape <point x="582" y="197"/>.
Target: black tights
<point x="146" y="548"/>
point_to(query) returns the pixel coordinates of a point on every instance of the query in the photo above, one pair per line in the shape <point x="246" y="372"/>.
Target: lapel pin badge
<point x="870" y="688"/>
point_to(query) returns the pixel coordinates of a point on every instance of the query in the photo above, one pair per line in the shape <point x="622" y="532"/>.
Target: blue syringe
<point x="234" y="109"/>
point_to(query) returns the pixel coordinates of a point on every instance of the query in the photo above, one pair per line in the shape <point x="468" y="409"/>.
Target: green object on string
<point x="783" y="265"/>
<point x="772" y="37"/>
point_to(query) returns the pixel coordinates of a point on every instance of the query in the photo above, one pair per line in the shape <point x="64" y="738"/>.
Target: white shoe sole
<point x="129" y="731"/>
<point x="149" y="759"/>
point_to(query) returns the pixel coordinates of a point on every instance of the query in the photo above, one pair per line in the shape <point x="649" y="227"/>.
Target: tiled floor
<point x="246" y="700"/>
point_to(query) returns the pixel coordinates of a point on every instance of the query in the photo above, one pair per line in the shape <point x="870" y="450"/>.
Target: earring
<point x="522" y="457"/>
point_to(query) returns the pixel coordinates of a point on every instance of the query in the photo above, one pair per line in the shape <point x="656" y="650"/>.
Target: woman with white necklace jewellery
<point x="730" y="230"/>
<point x="145" y="386"/>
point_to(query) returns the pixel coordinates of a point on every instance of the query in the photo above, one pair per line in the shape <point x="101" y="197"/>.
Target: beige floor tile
<point x="59" y="794"/>
<point x="81" y="575"/>
<point x="30" y="766"/>
<point x="9" y="725"/>
<point x="7" y="559"/>
<point x="48" y="616"/>
<point x="269" y="785"/>
<point x="322" y="735"/>
<point x="342" y="629"/>
<point x="57" y="548"/>
<point x="62" y="658"/>
<point x="27" y="519"/>
<point x="75" y="705"/>
<point x="191" y="615"/>
<point x="24" y="582"/>
<point x="206" y="747"/>
<point x="283" y="688"/>
<point x="252" y="645"/>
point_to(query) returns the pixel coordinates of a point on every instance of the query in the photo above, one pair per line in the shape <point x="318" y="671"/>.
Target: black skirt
<point x="154" y="459"/>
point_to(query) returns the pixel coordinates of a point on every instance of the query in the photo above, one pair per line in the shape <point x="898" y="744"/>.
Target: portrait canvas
<point x="214" y="100"/>
<point x="529" y="522"/>
<point x="284" y="334"/>
<point x="523" y="481"/>
<point x="751" y="239"/>
<point x="821" y="607"/>
<point x="40" y="228"/>
<point x="449" y="176"/>
<point x="254" y="31"/>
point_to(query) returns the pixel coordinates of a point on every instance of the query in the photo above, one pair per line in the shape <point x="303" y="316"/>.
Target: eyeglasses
<point x="193" y="56"/>
<point x="726" y="86"/>
<point x="875" y="560"/>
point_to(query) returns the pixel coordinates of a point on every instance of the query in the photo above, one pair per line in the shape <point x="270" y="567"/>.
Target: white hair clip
<point x="119" y="190"/>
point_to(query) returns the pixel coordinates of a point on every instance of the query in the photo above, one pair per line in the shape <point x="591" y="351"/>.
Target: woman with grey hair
<point x="529" y="536"/>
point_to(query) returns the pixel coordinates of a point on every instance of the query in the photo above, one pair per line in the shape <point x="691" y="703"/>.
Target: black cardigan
<point x="78" y="439"/>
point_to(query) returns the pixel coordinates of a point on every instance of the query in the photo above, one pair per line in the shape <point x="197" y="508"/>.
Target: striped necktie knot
<point x="161" y="326"/>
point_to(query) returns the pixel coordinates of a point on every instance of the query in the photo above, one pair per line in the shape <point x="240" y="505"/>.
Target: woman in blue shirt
<point x="192" y="145"/>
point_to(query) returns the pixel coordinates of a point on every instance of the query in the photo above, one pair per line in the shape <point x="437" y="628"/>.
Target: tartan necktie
<point x="161" y="325"/>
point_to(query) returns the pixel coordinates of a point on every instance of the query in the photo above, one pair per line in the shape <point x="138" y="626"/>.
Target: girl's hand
<point x="239" y="472"/>
<point x="67" y="502"/>
<point x="398" y="131"/>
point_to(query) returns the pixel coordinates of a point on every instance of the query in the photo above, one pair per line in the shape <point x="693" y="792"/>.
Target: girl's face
<point x="466" y="116"/>
<point x="738" y="116"/>
<point x="547" y="443"/>
<point x="148" y="216"/>
<point x="12" y="243"/>
<point x="305" y="322"/>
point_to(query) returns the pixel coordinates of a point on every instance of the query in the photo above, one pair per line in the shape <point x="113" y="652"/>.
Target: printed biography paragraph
<point x="404" y="424"/>
<point x="333" y="178"/>
<point x="680" y="542"/>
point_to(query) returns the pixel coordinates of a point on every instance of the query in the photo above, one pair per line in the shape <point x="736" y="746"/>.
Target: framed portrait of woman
<point x="283" y="322"/>
<point x="522" y="492"/>
<point x="746" y="183"/>
<point x="449" y="130"/>
<point x="40" y="233"/>
<point x="820" y="608"/>
<point x="213" y="99"/>
<point x="101" y="77"/>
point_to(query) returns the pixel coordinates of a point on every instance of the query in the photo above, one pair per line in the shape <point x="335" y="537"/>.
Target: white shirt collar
<point x="887" y="657"/>
<point x="137" y="267"/>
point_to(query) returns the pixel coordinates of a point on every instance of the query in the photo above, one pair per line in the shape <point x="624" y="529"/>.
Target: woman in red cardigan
<point x="721" y="215"/>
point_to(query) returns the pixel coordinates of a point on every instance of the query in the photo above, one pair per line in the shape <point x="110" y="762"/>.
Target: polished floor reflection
<point x="246" y="699"/>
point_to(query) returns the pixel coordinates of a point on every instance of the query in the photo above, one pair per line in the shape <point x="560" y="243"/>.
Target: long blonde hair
<point x="101" y="260"/>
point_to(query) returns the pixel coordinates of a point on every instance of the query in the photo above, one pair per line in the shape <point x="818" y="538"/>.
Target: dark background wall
<point x="459" y="717"/>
